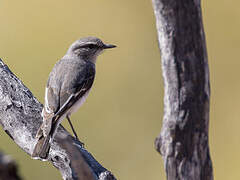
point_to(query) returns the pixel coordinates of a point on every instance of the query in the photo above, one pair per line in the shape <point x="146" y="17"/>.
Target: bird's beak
<point x="108" y="46"/>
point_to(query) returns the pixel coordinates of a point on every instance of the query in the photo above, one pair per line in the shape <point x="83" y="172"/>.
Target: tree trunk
<point x="183" y="141"/>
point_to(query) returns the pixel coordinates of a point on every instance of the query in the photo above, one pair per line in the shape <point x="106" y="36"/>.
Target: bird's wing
<point x="76" y="82"/>
<point x="51" y="104"/>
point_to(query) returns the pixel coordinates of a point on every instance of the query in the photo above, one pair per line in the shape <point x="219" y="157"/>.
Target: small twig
<point x="8" y="168"/>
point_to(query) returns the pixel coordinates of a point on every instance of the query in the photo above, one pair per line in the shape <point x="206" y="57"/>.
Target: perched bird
<point x="67" y="88"/>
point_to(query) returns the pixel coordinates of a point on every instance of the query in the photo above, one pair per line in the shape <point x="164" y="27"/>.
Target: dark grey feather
<point x="69" y="77"/>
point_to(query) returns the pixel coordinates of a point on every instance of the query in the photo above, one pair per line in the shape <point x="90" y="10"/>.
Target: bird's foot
<point x="81" y="143"/>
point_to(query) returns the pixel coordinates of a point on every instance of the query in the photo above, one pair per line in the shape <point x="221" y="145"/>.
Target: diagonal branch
<point x="183" y="141"/>
<point x="20" y="117"/>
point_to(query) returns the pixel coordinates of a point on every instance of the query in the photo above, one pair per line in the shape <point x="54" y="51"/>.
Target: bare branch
<point x="20" y="117"/>
<point x="183" y="141"/>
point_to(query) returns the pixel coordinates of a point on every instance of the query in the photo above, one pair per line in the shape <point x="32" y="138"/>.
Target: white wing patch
<point x="79" y="103"/>
<point x="47" y="108"/>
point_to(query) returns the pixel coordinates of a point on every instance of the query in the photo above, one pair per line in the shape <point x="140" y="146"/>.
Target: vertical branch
<point x="183" y="141"/>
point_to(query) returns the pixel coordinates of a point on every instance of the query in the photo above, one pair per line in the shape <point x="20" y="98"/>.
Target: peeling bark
<point x="20" y="117"/>
<point x="183" y="141"/>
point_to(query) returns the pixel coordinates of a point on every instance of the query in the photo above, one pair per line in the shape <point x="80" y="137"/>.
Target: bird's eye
<point x="91" y="46"/>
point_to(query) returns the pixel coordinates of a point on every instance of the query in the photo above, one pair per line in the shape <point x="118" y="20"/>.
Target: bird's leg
<point x="74" y="132"/>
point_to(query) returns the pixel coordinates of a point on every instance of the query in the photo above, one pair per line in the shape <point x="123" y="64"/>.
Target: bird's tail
<point x="41" y="149"/>
<point x="46" y="134"/>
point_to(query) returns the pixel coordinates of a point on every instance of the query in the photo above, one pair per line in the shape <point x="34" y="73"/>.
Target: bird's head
<point x="88" y="48"/>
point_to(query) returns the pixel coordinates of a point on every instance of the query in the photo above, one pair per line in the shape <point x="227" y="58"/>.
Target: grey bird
<point x="67" y="88"/>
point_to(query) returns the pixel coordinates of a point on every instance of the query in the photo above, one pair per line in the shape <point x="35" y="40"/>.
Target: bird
<point x="67" y="88"/>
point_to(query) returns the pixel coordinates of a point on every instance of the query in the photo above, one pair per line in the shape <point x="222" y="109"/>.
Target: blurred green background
<point x="123" y="113"/>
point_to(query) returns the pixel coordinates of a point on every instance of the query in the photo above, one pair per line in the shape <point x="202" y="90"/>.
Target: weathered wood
<point x="183" y="141"/>
<point x="20" y="117"/>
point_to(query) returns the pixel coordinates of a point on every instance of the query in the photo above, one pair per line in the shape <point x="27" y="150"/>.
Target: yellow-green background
<point x="123" y="113"/>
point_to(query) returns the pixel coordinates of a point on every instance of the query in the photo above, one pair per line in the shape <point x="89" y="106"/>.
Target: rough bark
<point x="183" y="141"/>
<point x="8" y="168"/>
<point x="20" y="117"/>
